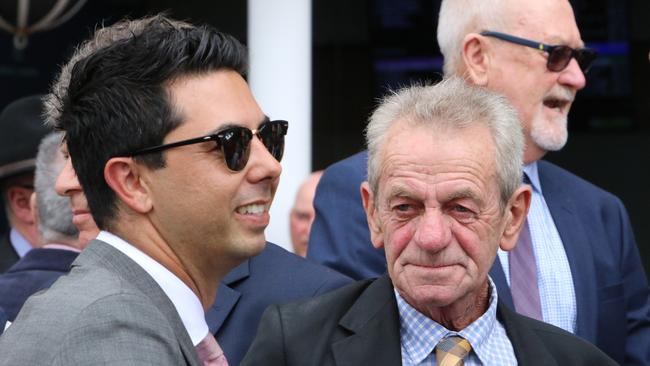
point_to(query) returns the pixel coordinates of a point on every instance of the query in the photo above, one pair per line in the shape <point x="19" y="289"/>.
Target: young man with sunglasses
<point x="179" y="166"/>
<point x="584" y="259"/>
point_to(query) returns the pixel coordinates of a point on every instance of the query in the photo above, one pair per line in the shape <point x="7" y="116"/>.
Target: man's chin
<point x="550" y="137"/>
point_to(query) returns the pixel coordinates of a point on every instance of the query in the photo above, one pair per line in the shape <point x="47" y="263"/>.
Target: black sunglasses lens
<point x="235" y="144"/>
<point x="272" y="136"/>
<point x="585" y="57"/>
<point x="559" y="58"/>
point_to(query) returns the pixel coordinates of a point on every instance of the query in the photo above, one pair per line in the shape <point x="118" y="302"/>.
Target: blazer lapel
<point x="373" y="322"/>
<point x="227" y="297"/>
<point x="498" y="276"/>
<point x="578" y="250"/>
<point x="100" y="254"/>
<point x="528" y="348"/>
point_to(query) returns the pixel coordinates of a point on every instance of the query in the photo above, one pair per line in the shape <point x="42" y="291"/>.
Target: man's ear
<point x="516" y="213"/>
<point x="368" y="199"/>
<point x="18" y="200"/>
<point x="124" y="177"/>
<point x="476" y="58"/>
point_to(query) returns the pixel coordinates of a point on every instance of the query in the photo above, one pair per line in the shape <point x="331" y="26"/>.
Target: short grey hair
<point x="458" y="18"/>
<point x="103" y="37"/>
<point x="54" y="211"/>
<point x="453" y="105"/>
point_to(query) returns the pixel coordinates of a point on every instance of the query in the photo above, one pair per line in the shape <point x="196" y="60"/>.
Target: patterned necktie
<point x="451" y="351"/>
<point x="209" y="352"/>
<point x="523" y="274"/>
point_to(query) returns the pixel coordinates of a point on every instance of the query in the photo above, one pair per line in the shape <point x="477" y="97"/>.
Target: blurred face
<point x="68" y="185"/>
<point x="303" y="214"/>
<point x="542" y="97"/>
<point x="208" y="214"/>
<point x="437" y="213"/>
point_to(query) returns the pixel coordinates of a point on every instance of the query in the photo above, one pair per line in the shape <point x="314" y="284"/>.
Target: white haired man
<point x="587" y="276"/>
<point x="443" y="194"/>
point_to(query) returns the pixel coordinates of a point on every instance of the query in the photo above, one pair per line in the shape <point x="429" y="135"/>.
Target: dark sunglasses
<point x="559" y="56"/>
<point x="235" y="143"/>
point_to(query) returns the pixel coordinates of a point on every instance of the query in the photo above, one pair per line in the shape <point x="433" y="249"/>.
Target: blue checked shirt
<point x="419" y="335"/>
<point x="554" y="279"/>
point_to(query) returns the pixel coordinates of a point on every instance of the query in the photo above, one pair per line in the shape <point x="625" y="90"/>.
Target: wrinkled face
<point x="207" y="213"/>
<point x="68" y="185"/>
<point x="437" y="213"/>
<point x="542" y="97"/>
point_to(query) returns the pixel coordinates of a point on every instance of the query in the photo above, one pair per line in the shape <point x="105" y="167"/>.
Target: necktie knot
<point x="451" y="351"/>
<point x="209" y="352"/>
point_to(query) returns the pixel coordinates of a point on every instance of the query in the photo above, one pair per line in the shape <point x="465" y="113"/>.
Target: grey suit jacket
<point x="107" y="311"/>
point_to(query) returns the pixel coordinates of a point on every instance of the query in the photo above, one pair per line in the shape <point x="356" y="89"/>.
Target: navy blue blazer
<point x="612" y="293"/>
<point x="274" y="276"/>
<point x="37" y="270"/>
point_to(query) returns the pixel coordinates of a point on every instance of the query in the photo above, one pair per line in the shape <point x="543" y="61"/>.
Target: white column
<point x="279" y="41"/>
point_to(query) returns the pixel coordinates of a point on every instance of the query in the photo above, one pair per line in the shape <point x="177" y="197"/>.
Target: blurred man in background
<point x="302" y="213"/>
<point x="21" y="130"/>
<point x="41" y="266"/>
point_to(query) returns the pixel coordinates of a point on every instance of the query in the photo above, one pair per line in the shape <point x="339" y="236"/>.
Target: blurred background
<point x="359" y="49"/>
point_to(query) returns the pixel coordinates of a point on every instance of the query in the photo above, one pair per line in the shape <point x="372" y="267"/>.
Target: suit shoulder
<point x="78" y="311"/>
<point x="352" y="167"/>
<point x="560" y="345"/>
<point x="279" y="265"/>
<point x="328" y="305"/>
<point x="550" y="171"/>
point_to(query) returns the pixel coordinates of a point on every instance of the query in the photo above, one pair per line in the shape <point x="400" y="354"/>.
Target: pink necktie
<point x="209" y="352"/>
<point x="523" y="274"/>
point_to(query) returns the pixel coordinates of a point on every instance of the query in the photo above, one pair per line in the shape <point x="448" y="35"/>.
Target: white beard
<point x="550" y="135"/>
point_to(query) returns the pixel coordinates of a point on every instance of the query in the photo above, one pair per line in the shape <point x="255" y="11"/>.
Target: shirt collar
<point x="20" y="244"/>
<point x="185" y="301"/>
<point x="420" y="334"/>
<point x="533" y="174"/>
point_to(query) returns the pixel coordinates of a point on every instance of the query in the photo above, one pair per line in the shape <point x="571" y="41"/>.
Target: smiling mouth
<point x="252" y="209"/>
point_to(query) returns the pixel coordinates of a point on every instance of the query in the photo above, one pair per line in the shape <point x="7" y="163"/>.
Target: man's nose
<point x="572" y="76"/>
<point x="433" y="231"/>
<point x="262" y="164"/>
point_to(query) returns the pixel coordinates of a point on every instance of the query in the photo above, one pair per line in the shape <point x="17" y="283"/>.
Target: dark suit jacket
<point x="339" y="236"/>
<point x="106" y="311"/>
<point x="8" y="255"/>
<point x="36" y="271"/>
<point x="273" y="276"/>
<point x="359" y="325"/>
<point x="3" y="320"/>
<point x="612" y="294"/>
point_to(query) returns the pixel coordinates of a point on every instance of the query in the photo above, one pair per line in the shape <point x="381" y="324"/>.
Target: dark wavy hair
<point x="117" y="98"/>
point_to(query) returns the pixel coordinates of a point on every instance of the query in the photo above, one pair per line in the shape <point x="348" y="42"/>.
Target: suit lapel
<point x="373" y="321"/>
<point x="528" y="348"/>
<point x="100" y="254"/>
<point x="499" y="278"/>
<point x="227" y="297"/>
<point x="578" y="250"/>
